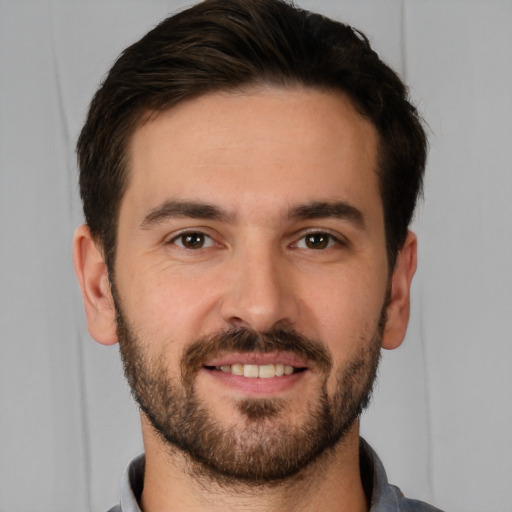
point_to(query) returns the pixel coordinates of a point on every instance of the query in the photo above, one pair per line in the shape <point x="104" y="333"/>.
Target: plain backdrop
<point x="442" y="408"/>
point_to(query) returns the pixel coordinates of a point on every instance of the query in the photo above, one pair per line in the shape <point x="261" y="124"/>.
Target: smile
<point x="256" y="374"/>
<point x="254" y="371"/>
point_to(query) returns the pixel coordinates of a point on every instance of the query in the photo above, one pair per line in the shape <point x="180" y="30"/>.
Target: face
<point x="251" y="276"/>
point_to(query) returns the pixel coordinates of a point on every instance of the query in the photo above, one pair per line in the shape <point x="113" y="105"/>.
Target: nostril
<point x="236" y="321"/>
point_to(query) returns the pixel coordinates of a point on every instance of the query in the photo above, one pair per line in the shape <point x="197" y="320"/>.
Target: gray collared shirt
<point x="384" y="496"/>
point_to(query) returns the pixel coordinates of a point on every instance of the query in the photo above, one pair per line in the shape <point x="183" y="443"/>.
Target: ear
<point x="92" y="275"/>
<point x="398" y="308"/>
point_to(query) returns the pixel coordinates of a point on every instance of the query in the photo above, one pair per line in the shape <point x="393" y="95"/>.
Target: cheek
<point x="166" y="307"/>
<point x="344" y="314"/>
<point x="345" y="303"/>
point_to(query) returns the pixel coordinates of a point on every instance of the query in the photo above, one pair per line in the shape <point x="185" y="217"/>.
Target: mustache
<point x="242" y="339"/>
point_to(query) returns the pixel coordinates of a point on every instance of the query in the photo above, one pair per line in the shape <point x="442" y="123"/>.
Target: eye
<point x="192" y="240"/>
<point x="317" y="240"/>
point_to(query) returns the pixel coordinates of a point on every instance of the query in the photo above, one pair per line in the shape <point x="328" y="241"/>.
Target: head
<point x="249" y="171"/>
<point x="229" y="45"/>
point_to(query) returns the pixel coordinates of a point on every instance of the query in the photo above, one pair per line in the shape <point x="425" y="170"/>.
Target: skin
<point x="257" y="156"/>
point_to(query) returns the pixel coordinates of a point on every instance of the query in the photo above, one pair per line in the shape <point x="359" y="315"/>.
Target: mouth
<point x="257" y="374"/>
<point x="256" y="371"/>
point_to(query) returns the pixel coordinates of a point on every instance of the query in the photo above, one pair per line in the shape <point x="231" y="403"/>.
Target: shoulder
<point x="409" y="505"/>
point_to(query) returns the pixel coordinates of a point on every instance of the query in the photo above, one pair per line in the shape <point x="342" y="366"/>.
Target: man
<point x="248" y="172"/>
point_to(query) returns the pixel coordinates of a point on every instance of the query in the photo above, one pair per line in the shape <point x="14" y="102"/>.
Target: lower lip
<point x="255" y="386"/>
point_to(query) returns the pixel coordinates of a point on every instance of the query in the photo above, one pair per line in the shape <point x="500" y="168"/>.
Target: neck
<point x="331" y="483"/>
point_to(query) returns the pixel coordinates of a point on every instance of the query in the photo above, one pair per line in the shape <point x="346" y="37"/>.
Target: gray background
<point x="443" y="408"/>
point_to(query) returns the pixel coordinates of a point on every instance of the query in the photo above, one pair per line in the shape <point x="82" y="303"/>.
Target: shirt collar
<point x="383" y="495"/>
<point x="132" y="483"/>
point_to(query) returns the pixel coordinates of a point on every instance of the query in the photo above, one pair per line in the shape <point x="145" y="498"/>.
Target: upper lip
<point x="257" y="358"/>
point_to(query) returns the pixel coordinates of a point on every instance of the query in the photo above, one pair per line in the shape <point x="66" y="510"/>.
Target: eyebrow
<point x="192" y="209"/>
<point x="199" y="210"/>
<point x="325" y="209"/>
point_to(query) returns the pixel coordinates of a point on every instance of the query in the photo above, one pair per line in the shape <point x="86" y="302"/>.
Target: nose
<point x="259" y="291"/>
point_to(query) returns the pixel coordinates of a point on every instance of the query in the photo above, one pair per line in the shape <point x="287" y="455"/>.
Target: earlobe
<point x="398" y="308"/>
<point x="92" y="274"/>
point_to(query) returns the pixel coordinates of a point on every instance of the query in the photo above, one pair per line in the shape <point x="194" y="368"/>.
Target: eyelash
<point x="327" y="241"/>
<point x="189" y="234"/>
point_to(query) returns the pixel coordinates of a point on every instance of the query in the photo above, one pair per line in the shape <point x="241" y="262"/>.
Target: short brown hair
<point x="230" y="44"/>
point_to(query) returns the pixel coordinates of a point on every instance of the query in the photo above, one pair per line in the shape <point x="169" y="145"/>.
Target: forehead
<point x="279" y="145"/>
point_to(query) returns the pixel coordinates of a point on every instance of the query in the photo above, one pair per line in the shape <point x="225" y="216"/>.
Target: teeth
<point x="253" y="371"/>
<point x="266" y="371"/>
<point x="250" y="370"/>
<point x="237" y="369"/>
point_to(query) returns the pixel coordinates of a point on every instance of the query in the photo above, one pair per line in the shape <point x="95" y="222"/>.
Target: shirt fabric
<point x="384" y="496"/>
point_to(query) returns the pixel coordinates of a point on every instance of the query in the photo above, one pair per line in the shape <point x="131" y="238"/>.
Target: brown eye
<point x="318" y="240"/>
<point x="193" y="240"/>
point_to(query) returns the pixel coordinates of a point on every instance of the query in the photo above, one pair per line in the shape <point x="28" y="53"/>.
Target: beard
<point x="266" y="448"/>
